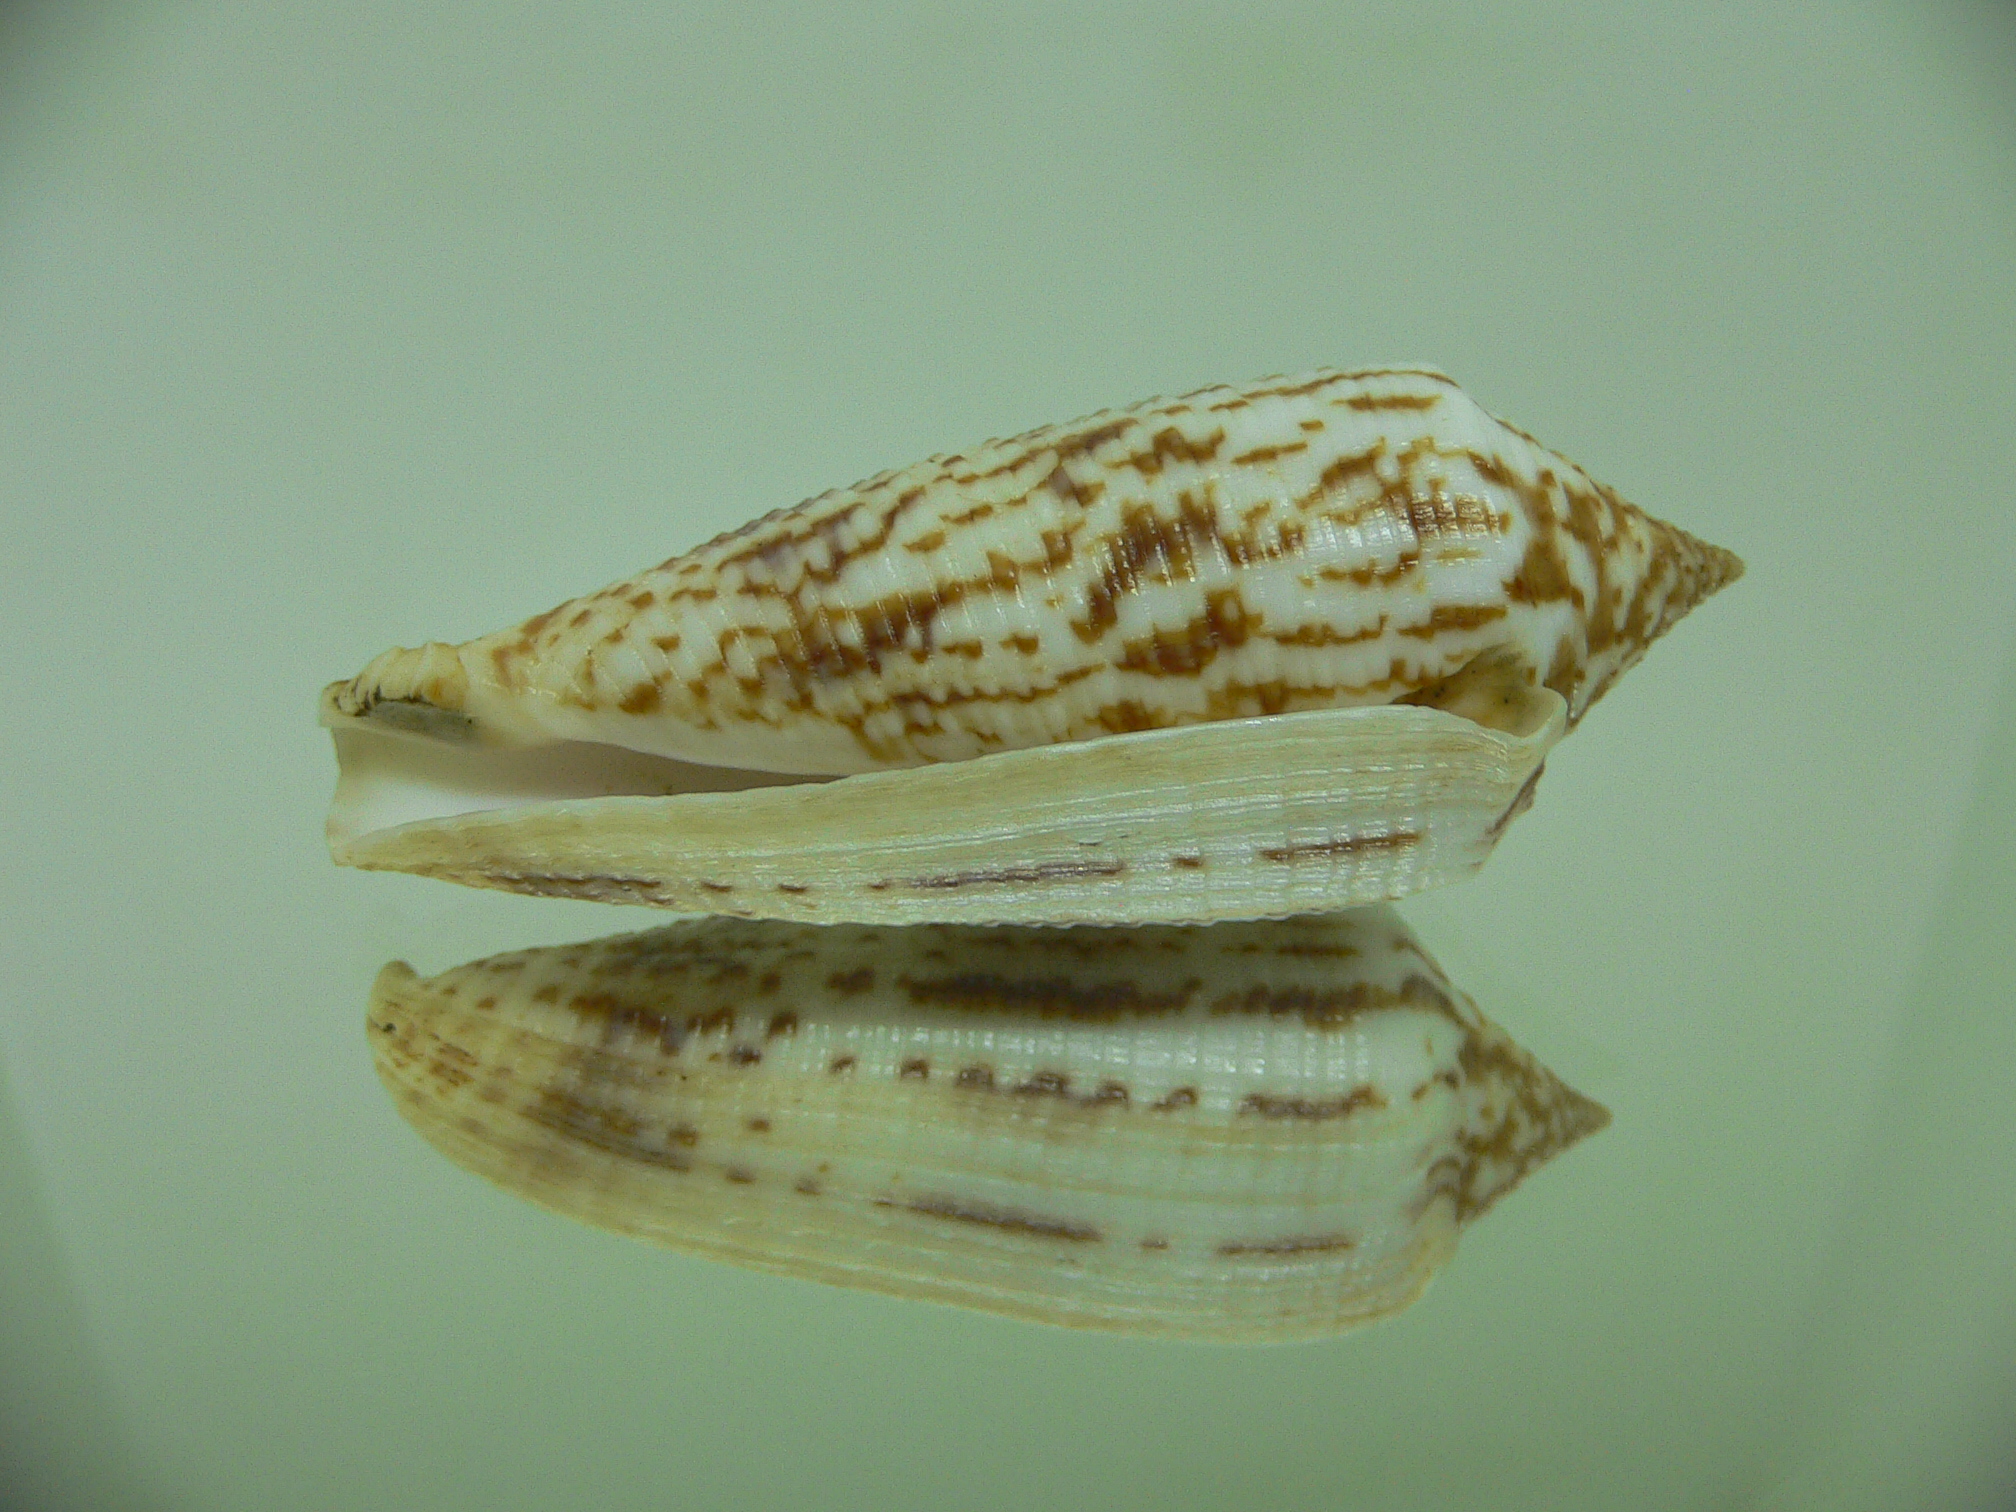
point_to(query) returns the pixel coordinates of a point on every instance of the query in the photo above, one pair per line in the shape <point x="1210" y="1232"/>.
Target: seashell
<point x="1352" y="605"/>
<point x="1243" y="1132"/>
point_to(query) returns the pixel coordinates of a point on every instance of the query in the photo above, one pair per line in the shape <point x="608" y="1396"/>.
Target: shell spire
<point x="1323" y="541"/>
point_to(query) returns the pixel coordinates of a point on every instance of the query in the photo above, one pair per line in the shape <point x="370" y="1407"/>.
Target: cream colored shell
<point x="1297" y="813"/>
<point x="1249" y="1132"/>
<point x="1309" y="640"/>
<point x="1338" y="539"/>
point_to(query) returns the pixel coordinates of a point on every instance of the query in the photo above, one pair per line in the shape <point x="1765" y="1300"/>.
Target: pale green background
<point x="328" y="327"/>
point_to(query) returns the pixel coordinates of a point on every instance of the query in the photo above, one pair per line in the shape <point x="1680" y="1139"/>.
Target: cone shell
<point x="1248" y="1132"/>
<point x="1331" y="540"/>
<point x="1115" y="624"/>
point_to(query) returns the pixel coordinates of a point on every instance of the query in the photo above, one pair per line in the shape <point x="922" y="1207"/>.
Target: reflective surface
<point x="321" y="332"/>
<point x="1251" y="1133"/>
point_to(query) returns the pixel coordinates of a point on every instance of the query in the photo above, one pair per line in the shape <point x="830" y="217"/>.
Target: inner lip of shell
<point x="408" y="762"/>
<point x="393" y="776"/>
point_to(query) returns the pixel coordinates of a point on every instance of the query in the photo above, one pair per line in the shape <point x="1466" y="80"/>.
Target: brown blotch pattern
<point x="1008" y="1220"/>
<point x="1045" y="1084"/>
<point x="1055" y="1084"/>
<point x="1047" y="996"/>
<point x="1309" y="1244"/>
<point x="1335" y="1007"/>
<point x="1391" y="401"/>
<point x="1342" y="845"/>
<point x="1265" y="1105"/>
<point x="1007" y="876"/>
<point x="592" y="887"/>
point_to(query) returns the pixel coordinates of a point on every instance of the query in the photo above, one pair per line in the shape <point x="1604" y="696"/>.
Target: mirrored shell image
<point x="1246" y="1132"/>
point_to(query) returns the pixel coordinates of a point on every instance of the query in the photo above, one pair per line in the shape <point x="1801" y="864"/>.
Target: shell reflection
<point x="1248" y="1132"/>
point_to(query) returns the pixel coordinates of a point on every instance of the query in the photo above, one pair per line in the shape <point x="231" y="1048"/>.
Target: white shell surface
<point x="1246" y="1132"/>
<point x="1334" y="539"/>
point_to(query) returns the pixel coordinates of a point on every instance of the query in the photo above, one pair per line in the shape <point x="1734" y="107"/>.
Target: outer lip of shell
<point x="1251" y="1133"/>
<point x="1298" y="813"/>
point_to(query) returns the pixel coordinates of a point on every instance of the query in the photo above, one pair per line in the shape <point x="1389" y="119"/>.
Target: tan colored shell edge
<point x="1253" y="1133"/>
<point x="1302" y="813"/>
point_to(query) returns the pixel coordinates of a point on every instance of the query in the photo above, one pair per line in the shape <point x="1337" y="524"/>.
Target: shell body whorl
<point x="1337" y="539"/>
<point x="1250" y="1132"/>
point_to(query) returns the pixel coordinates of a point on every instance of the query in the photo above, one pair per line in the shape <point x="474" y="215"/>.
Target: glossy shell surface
<point x="1249" y="1132"/>
<point x="1292" y="647"/>
<point x="1336" y="539"/>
